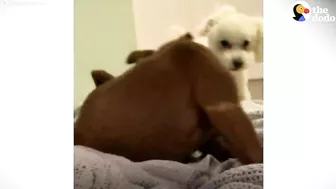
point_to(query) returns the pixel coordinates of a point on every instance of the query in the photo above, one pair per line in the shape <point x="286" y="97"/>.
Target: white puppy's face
<point x="233" y="40"/>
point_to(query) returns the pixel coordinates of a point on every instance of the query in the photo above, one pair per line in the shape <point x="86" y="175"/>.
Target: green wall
<point x="104" y="35"/>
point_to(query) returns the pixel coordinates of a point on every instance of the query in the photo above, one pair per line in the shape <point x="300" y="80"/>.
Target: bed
<point x="97" y="170"/>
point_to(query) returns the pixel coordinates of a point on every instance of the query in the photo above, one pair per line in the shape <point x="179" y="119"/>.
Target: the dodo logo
<point x="302" y="12"/>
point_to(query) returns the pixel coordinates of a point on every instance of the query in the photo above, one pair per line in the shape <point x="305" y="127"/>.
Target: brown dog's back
<point x="157" y="109"/>
<point x="149" y="115"/>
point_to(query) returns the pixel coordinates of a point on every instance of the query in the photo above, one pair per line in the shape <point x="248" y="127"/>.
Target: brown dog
<point x="166" y="107"/>
<point x="214" y="146"/>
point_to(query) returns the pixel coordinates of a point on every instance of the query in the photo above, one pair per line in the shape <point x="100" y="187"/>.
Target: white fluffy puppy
<point x="237" y="40"/>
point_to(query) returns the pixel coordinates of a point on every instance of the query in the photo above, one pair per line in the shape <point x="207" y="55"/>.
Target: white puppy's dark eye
<point x="245" y="44"/>
<point x="225" y="44"/>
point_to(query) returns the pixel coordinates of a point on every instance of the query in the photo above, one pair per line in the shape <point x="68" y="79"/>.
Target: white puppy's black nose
<point x="237" y="64"/>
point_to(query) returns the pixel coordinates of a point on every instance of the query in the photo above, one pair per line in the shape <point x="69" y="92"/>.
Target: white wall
<point x="104" y="35"/>
<point x="153" y="19"/>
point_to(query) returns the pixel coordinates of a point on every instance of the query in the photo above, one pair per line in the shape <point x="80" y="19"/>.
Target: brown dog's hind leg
<point x="216" y="93"/>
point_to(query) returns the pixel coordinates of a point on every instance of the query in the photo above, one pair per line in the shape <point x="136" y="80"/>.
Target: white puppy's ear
<point x="206" y="26"/>
<point x="217" y="14"/>
<point x="259" y="47"/>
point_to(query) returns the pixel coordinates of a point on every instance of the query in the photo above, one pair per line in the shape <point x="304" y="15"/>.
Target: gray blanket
<point x="97" y="170"/>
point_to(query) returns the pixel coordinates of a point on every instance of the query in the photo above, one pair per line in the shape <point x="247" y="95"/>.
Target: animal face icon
<point x="299" y="10"/>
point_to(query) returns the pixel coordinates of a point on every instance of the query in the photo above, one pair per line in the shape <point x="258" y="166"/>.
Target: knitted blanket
<point x="97" y="170"/>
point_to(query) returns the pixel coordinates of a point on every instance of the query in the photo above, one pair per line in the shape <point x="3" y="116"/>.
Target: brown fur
<point x="139" y="54"/>
<point x="214" y="146"/>
<point x="166" y="107"/>
<point x="100" y="76"/>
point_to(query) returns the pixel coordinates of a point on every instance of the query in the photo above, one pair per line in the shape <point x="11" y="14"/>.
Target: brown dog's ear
<point x="100" y="76"/>
<point x="187" y="36"/>
<point x="134" y="56"/>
